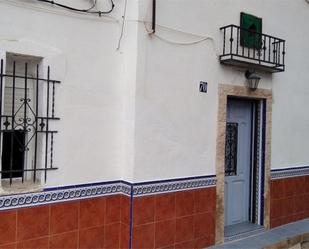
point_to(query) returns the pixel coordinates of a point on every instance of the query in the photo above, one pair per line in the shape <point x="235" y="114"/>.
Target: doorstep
<point x="279" y="237"/>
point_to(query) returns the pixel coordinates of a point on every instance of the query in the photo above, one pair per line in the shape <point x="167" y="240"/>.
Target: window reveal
<point x="27" y="109"/>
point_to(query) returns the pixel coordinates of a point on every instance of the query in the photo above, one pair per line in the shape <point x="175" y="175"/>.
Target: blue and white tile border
<point x="78" y="192"/>
<point x="289" y="172"/>
<point x="174" y="185"/>
<point x="62" y="194"/>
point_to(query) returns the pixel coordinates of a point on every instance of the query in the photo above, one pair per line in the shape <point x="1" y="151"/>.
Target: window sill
<point x="18" y="187"/>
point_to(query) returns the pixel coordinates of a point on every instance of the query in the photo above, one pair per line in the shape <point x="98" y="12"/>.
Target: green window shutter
<point x="253" y="24"/>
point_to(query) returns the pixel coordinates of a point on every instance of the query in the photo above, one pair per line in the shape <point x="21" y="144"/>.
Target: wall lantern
<point x="253" y="79"/>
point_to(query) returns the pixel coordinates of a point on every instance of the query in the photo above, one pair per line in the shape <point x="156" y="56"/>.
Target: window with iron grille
<point x="27" y="111"/>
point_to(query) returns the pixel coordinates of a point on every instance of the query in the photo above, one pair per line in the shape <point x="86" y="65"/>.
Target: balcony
<point x="250" y="49"/>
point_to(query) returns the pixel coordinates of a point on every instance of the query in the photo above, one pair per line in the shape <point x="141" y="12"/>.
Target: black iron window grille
<point x="27" y="108"/>
<point x="266" y="53"/>
<point x="231" y="141"/>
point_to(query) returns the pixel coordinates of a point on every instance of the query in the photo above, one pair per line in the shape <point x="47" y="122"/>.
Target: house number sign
<point x="203" y="87"/>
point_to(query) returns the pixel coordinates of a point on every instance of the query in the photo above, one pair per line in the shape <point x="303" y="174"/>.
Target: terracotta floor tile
<point x="39" y="243"/>
<point x="92" y="238"/>
<point x="64" y="241"/>
<point x="112" y="209"/>
<point x="92" y="212"/>
<point x="143" y="210"/>
<point x="165" y="233"/>
<point x="184" y="203"/>
<point x="64" y="217"/>
<point x="165" y="207"/>
<point x="143" y="236"/>
<point x="32" y="222"/>
<point x="7" y="227"/>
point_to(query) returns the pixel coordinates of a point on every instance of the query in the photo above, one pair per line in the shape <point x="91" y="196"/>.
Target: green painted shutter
<point x="253" y="24"/>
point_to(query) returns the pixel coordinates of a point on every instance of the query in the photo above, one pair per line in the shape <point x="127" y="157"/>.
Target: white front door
<point x="237" y="161"/>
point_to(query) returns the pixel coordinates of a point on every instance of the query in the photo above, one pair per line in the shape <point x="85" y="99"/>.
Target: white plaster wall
<point x="93" y="99"/>
<point x="175" y="124"/>
<point x="136" y="113"/>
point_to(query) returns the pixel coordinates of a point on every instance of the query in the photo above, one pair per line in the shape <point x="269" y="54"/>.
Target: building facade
<point x="132" y="123"/>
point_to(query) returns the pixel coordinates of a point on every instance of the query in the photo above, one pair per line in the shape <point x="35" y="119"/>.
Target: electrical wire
<point x="181" y="43"/>
<point x="203" y="38"/>
<point x="89" y="10"/>
<point x="122" y="24"/>
<point x="58" y="11"/>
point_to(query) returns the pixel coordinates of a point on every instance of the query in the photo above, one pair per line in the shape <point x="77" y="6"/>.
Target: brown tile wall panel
<point x="125" y="210"/>
<point x="101" y="222"/>
<point x="175" y="220"/>
<point x="124" y="236"/>
<point x="64" y="217"/>
<point x="92" y="212"/>
<point x="65" y="241"/>
<point x="91" y="238"/>
<point x="8" y="220"/>
<point x="37" y="243"/>
<point x="32" y="222"/>
<point x="289" y="200"/>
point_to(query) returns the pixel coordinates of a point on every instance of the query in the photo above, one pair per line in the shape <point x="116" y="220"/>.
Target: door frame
<point x="225" y="91"/>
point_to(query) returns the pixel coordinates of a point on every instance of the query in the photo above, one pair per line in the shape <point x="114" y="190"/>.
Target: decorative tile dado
<point x="62" y="194"/>
<point x="159" y="187"/>
<point x="289" y="172"/>
<point x="77" y="192"/>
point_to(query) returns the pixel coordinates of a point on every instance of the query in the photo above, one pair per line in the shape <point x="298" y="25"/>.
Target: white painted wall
<point x="175" y="124"/>
<point x="94" y="97"/>
<point x="136" y="113"/>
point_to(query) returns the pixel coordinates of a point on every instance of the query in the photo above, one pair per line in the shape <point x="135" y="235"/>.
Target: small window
<point x="27" y="113"/>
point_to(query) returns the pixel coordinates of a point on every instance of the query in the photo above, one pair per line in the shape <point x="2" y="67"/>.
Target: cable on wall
<point x="122" y="24"/>
<point x="181" y="43"/>
<point x="89" y="10"/>
<point x="203" y="38"/>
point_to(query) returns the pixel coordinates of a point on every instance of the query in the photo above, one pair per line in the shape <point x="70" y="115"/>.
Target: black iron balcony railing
<point x="250" y="49"/>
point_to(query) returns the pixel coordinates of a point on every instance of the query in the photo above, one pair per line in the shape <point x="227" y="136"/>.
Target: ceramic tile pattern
<point x="184" y="219"/>
<point x="289" y="200"/>
<point x="175" y="220"/>
<point x="91" y="223"/>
